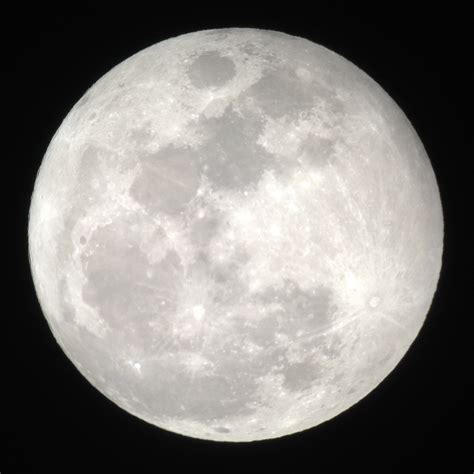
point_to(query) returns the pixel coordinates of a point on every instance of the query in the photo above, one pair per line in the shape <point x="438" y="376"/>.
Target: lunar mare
<point x="235" y="234"/>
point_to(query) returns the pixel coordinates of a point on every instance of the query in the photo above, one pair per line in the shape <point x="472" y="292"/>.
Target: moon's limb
<point x="235" y="234"/>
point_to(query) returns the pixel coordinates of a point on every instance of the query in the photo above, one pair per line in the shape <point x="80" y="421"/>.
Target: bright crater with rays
<point x="235" y="234"/>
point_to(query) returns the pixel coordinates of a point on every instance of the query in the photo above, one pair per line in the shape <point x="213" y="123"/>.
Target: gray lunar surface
<point x="235" y="234"/>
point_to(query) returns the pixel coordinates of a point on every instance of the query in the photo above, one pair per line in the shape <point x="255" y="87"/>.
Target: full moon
<point x="235" y="234"/>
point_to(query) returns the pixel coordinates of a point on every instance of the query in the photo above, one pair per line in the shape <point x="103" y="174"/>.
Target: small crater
<point x="211" y="69"/>
<point x="304" y="74"/>
<point x="251" y="49"/>
<point x="82" y="240"/>
<point x="374" y="301"/>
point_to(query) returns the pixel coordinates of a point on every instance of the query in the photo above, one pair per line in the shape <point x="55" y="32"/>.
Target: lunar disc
<point x="235" y="234"/>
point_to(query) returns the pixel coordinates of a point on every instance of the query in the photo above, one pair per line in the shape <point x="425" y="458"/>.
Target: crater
<point x="374" y="301"/>
<point x="211" y="69"/>
<point x="250" y="49"/>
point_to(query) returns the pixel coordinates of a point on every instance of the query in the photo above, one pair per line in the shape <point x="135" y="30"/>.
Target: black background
<point x="415" y="421"/>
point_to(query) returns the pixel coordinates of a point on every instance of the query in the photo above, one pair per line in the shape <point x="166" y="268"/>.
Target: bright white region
<point x="198" y="312"/>
<point x="374" y="301"/>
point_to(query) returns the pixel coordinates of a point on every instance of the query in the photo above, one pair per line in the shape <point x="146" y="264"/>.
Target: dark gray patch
<point x="231" y="153"/>
<point x="251" y="49"/>
<point x="89" y="164"/>
<point x="227" y="273"/>
<point x="280" y="92"/>
<point x="317" y="151"/>
<point x="384" y="357"/>
<point x="221" y="429"/>
<point x="126" y="289"/>
<point x="224" y="287"/>
<point x="203" y="229"/>
<point x="307" y="312"/>
<point x="300" y="375"/>
<point x="82" y="240"/>
<point x="263" y="330"/>
<point x="141" y="136"/>
<point x="332" y="345"/>
<point x="167" y="181"/>
<point x="334" y="105"/>
<point x="210" y="69"/>
<point x="220" y="34"/>
<point x="172" y="392"/>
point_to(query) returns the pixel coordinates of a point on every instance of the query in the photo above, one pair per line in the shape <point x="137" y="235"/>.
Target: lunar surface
<point x="235" y="234"/>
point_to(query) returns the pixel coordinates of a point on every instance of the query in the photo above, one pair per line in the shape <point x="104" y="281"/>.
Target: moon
<point x="235" y="234"/>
